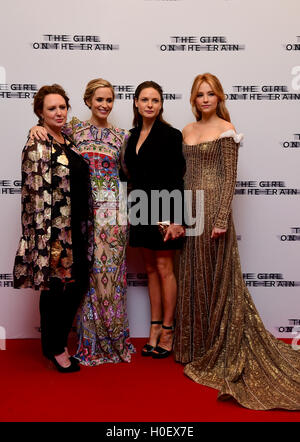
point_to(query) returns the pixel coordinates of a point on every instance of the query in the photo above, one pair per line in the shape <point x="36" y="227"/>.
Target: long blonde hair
<point x="217" y="88"/>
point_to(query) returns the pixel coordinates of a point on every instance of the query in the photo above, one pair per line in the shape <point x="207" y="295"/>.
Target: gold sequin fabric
<point x="219" y="334"/>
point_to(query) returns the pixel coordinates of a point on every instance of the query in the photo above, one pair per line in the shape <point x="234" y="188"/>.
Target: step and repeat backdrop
<point x="252" y="46"/>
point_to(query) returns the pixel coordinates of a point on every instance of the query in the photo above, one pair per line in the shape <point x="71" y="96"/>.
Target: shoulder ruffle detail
<point x="231" y="133"/>
<point x="121" y="134"/>
<point x="79" y="124"/>
<point x="119" y="130"/>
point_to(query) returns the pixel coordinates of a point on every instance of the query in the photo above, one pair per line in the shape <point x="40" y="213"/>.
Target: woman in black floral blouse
<point x="54" y="253"/>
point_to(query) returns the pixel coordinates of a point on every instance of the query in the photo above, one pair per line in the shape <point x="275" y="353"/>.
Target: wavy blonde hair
<point x="93" y="85"/>
<point x="217" y="88"/>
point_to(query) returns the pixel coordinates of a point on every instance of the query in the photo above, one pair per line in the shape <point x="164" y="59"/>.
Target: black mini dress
<point x="158" y="166"/>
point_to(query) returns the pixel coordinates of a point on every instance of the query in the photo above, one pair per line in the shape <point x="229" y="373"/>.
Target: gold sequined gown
<point x="219" y="333"/>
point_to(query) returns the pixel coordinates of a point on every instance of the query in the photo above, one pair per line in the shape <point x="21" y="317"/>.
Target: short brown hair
<point x="38" y="101"/>
<point x="93" y="85"/>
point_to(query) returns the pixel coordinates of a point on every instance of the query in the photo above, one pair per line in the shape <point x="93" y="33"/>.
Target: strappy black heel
<point x="160" y="352"/>
<point x="148" y="349"/>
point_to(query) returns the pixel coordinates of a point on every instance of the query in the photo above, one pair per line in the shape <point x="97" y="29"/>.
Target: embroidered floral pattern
<point x="102" y="319"/>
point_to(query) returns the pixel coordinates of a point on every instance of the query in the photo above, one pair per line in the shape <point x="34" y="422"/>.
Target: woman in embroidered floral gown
<point x="219" y="333"/>
<point x="103" y="329"/>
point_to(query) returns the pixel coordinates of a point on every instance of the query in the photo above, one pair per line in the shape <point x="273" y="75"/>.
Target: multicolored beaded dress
<point x="219" y="333"/>
<point x="102" y="324"/>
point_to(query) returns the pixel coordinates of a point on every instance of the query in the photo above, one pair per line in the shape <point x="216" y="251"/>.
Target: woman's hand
<point x="216" y="232"/>
<point x="174" y="231"/>
<point x="38" y="133"/>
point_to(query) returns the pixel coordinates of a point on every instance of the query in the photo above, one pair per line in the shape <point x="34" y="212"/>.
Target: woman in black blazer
<point x="155" y="166"/>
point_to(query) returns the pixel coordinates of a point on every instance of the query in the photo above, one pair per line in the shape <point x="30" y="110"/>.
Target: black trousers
<point x="58" y="307"/>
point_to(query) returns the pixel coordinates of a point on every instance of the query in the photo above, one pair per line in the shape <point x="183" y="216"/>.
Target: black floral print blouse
<point x="57" y="237"/>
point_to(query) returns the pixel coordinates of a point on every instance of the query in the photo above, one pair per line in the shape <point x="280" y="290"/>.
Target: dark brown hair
<point x="137" y="118"/>
<point x="38" y="101"/>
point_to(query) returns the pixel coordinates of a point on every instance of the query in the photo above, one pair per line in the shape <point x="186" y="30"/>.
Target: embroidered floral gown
<point x="102" y="324"/>
<point x="219" y="333"/>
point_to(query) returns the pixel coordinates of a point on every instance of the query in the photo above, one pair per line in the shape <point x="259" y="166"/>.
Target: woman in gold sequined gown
<point x="219" y="333"/>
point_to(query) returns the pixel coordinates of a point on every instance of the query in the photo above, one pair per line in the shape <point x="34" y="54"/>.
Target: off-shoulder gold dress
<point x="219" y="333"/>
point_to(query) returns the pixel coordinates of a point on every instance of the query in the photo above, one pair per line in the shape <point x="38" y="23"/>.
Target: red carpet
<point x="145" y="390"/>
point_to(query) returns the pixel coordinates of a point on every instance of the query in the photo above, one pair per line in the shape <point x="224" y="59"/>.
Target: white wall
<point x="256" y="44"/>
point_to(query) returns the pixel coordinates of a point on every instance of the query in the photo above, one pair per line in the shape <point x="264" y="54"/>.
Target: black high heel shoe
<point x="160" y="352"/>
<point x="71" y="369"/>
<point x="74" y="360"/>
<point x="148" y="349"/>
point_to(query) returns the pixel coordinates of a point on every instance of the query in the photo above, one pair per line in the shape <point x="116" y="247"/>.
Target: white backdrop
<point x="252" y="46"/>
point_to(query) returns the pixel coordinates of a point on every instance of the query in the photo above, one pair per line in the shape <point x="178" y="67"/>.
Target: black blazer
<point x="159" y="163"/>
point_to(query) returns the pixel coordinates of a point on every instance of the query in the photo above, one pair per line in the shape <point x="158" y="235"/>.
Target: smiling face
<point x="206" y="100"/>
<point x="148" y="103"/>
<point x="101" y="104"/>
<point x="54" y="112"/>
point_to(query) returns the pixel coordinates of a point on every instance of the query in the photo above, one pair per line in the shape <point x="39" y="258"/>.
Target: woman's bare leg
<point x="155" y="294"/>
<point x="165" y="268"/>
